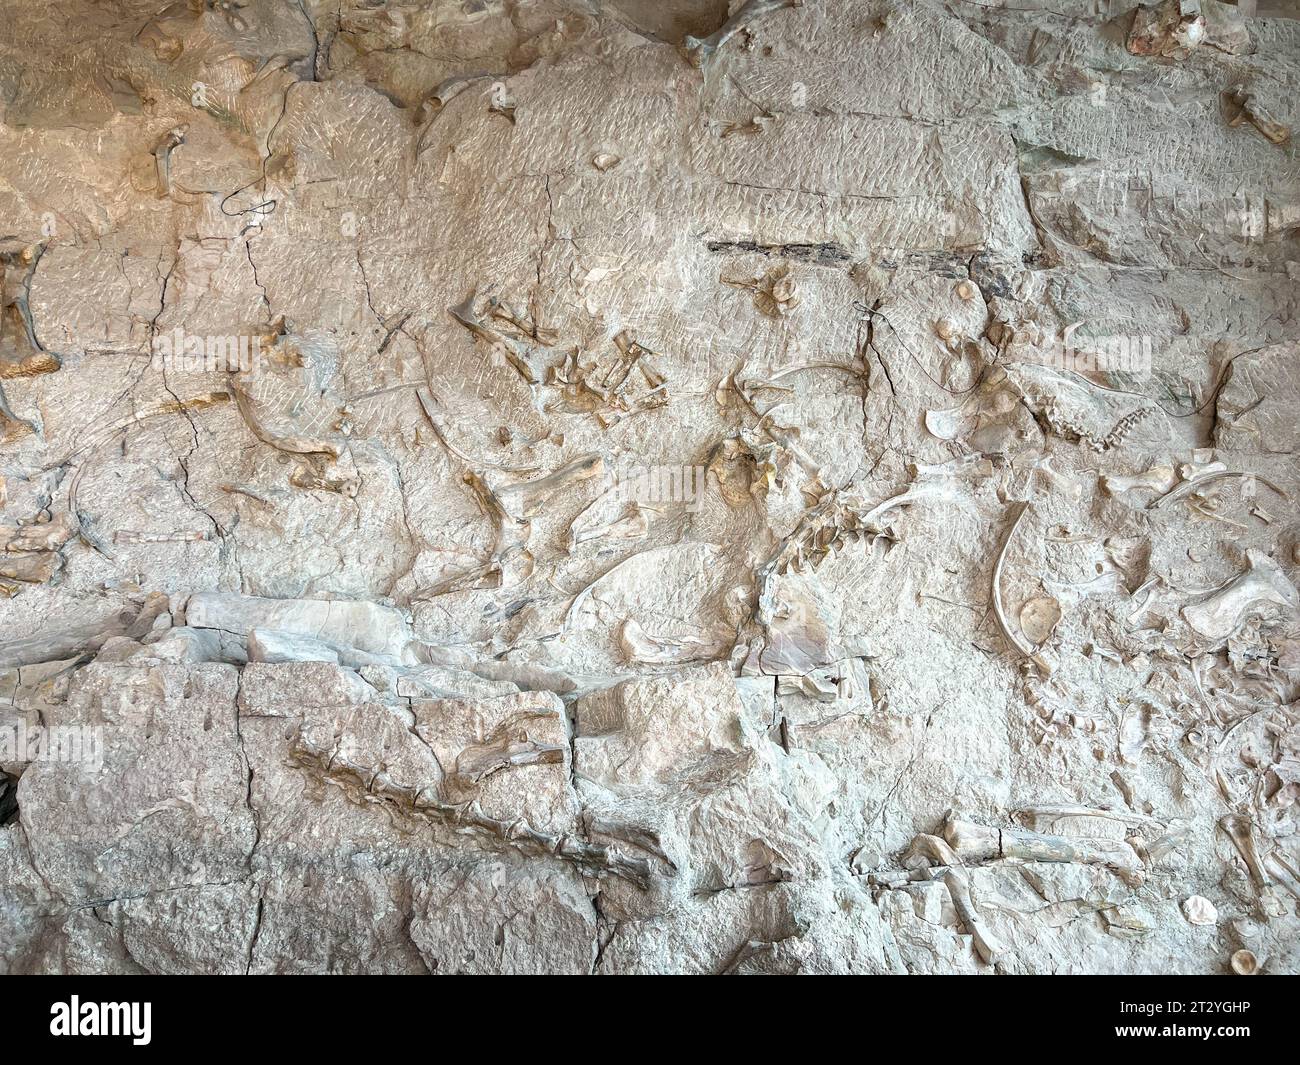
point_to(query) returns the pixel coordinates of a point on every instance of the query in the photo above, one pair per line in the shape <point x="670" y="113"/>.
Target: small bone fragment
<point x="1172" y="29"/>
<point x="1039" y="618"/>
<point x="38" y="536"/>
<point x="1199" y="910"/>
<point x="475" y="764"/>
<point x="1123" y="923"/>
<point x="247" y="490"/>
<point x="525" y="500"/>
<point x="162" y="157"/>
<point x="1196" y="484"/>
<point x="307" y="475"/>
<point x="502" y="102"/>
<point x="1242" y="107"/>
<point x="1238" y="828"/>
<point x="631" y="526"/>
<point x="972" y="465"/>
<point x="486" y="575"/>
<point x="700" y="49"/>
<point x="1163" y="845"/>
<point x="640" y="646"/>
<point x="988" y="946"/>
<point x="1244" y="963"/>
<point x="1159" y="479"/>
<point x="815" y="684"/>
<point x="131" y="536"/>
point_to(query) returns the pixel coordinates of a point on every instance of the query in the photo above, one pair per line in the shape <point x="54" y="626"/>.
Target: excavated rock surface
<point x="807" y="487"/>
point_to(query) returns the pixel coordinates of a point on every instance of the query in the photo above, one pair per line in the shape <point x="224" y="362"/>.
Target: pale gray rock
<point x="541" y="486"/>
<point x="365" y="627"/>
<point x="270" y="645"/>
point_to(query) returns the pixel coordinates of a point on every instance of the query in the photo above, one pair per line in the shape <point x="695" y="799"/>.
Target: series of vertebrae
<point x="425" y="801"/>
<point x="1118" y="433"/>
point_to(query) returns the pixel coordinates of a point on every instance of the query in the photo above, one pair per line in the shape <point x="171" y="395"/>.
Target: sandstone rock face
<point x="551" y="486"/>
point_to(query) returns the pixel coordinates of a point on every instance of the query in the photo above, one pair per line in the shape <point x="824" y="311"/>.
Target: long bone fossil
<point x="21" y="352"/>
<point x="103" y="435"/>
<point x="1022" y="647"/>
<point x="1182" y="491"/>
<point x="162" y="156"/>
<point x="511" y="510"/>
<point x="1239" y="829"/>
<point x="517" y="356"/>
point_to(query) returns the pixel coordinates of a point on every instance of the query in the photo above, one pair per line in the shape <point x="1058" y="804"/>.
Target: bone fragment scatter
<point x="553" y="486"/>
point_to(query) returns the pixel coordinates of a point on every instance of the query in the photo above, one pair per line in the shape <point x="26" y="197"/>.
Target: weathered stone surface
<point x="537" y="486"/>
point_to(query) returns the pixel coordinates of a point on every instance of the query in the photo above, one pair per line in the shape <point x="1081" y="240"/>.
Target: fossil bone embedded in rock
<point x="617" y="487"/>
<point x="1261" y="590"/>
<point x="1199" y="910"/>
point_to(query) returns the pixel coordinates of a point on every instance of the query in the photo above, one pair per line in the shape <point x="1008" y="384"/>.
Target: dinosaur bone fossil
<point x="424" y="802"/>
<point x="700" y="49"/>
<point x="1262" y="588"/>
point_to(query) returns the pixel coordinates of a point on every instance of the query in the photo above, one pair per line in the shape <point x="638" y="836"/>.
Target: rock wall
<point x="567" y="486"/>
